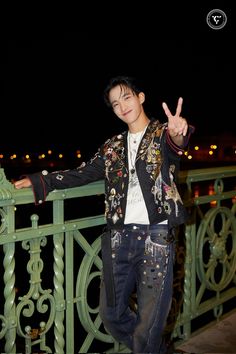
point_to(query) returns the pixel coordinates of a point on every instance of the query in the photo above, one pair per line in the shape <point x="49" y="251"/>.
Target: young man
<point x="142" y="208"/>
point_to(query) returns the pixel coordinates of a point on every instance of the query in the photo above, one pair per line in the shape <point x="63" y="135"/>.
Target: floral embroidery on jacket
<point x="115" y="171"/>
<point x="113" y="154"/>
<point x="171" y="192"/>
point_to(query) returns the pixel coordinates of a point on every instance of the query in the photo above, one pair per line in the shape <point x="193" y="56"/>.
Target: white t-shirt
<point x="136" y="211"/>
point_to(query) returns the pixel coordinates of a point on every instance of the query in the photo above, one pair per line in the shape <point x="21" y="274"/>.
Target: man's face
<point x="126" y="104"/>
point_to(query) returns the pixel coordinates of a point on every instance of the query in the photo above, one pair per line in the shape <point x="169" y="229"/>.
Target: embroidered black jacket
<point x="157" y="165"/>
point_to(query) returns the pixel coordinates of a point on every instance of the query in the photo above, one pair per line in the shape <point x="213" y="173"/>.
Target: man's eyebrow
<point x="122" y="94"/>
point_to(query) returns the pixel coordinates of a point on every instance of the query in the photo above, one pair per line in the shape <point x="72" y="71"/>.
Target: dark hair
<point x="122" y="81"/>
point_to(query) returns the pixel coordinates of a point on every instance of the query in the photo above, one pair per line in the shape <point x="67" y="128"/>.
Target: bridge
<point x="51" y="264"/>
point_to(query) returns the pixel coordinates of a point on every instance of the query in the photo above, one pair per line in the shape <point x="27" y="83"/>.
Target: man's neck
<point x="139" y="126"/>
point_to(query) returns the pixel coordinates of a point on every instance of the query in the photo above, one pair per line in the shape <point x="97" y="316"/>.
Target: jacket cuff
<point x="179" y="150"/>
<point x="38" y="187"/>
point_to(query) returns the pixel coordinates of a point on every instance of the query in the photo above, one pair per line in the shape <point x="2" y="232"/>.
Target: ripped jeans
<point x="137" y="259"/>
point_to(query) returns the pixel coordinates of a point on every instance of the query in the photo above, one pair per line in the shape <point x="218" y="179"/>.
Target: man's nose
<point x="122" y="106"/>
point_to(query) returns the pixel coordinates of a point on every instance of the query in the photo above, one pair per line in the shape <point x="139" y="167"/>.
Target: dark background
<point x="55" y="73"/>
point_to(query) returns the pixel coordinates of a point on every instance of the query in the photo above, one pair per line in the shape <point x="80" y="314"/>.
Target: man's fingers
<point x="185" y="130"/>
<point x="23" y="183"/>
<point x="178" y="109"/>
<point x="18" y="184"/>
<point x="166" y="110"/>
<point x="179" y="106"/>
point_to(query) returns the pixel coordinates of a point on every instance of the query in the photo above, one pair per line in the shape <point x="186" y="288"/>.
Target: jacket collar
<point x="154" y="128"/>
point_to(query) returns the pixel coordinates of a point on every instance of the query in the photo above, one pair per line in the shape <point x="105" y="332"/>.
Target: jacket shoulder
<point x="157" y="128"/>
<point x="115" y="139"/>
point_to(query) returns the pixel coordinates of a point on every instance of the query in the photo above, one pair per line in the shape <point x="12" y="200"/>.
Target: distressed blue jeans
<point x="140" y="259"/>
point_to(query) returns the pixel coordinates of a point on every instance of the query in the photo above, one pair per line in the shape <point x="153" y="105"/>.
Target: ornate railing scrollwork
<point x="216" y="248"/>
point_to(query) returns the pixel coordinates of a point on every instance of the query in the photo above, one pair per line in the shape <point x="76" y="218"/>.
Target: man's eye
<point x="127" y="97"/>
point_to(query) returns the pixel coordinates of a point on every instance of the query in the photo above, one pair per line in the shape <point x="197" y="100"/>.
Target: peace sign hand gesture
<point x="177" y="125"/>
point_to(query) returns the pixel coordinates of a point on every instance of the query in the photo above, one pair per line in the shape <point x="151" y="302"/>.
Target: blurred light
<point x="212" y="192"/>
<point x="42" y="156"/>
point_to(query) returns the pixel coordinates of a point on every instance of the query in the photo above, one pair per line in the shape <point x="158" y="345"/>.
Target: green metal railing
<point x="51" y="264"/>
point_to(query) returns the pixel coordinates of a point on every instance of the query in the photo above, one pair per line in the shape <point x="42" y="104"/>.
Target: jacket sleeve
<point x="44" y="182"/>
<point x="177" y="149"/>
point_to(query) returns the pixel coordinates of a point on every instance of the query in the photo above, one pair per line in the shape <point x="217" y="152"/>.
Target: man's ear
<point x="141" y="97"/>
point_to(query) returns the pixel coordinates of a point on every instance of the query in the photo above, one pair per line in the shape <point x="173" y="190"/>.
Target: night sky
<point x="54" y="81"/>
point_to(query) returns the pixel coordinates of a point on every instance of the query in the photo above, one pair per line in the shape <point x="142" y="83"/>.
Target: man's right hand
<point x="23" y="183"/>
